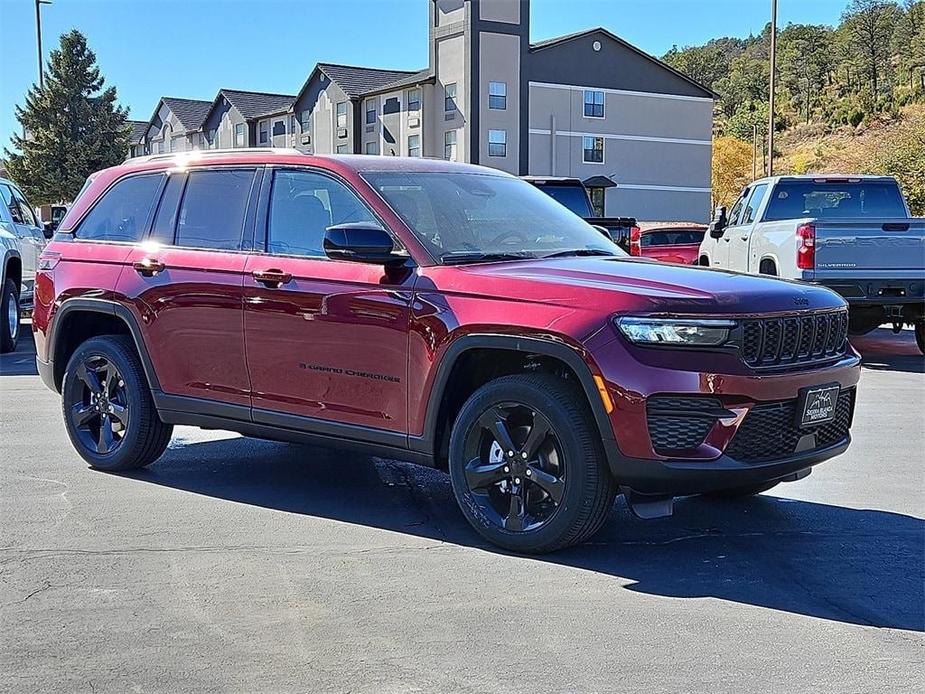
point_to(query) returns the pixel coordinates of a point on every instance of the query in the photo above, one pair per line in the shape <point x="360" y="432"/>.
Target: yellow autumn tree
<point x="732" y="169"/>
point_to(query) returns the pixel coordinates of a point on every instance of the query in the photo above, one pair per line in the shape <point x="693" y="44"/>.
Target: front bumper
<point x="633" y="375"/>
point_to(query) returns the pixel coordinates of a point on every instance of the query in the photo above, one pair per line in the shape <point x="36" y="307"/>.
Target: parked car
<point x="853" y="234"/>
<point x="572" y="193"/>
<point x="437" y="312"/>
<point x="668" y="242"/>
<point x="21" y="242"/>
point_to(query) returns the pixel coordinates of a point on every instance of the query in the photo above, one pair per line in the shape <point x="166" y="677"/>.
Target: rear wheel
<point x="108" y="410"/>
<point x="527" y="466"/>
<point x="920" y="335"/>
<point x="9" y="316"/>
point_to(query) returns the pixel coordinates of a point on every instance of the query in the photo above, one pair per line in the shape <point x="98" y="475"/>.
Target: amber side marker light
<point x="605" y="396"/>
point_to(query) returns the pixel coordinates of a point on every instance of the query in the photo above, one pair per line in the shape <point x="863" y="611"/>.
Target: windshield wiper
<point x="580" y="252"/>
<point x="475" y="257"/>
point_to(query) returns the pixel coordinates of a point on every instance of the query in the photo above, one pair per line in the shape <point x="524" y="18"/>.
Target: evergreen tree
<point x="73" y="126"/>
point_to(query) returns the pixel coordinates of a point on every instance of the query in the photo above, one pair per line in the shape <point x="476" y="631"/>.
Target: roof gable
<point x="253" y="105"/>
<point x="190" y="112"/>
<point x="357" y="81"/>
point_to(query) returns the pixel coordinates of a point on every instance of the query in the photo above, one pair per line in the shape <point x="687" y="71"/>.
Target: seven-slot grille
<point x="769" y="342"/>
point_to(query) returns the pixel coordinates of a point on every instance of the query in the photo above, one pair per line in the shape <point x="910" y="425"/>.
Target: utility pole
<point x="754" y="151"/>
<point x="771" y="94"/>
<point x="38" y="36"/>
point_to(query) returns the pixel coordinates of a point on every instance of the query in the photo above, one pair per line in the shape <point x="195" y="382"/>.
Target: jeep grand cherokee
<point x="441" y="313"/>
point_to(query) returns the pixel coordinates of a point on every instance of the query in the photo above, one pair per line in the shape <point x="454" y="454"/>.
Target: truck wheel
<point x="747" y="490"/>
<point x="9" y="317"/>
<point x="920" y="335"/>
<point x="108" y="410"/>
<point x="527" y="466"/>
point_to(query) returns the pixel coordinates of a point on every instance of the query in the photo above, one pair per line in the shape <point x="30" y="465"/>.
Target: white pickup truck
<point x="853" y="234"/>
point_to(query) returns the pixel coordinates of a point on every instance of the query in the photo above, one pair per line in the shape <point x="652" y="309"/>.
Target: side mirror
<point x="49" y="228"/>
<point x="719" y="223"/>
<point x="361" y="242"/>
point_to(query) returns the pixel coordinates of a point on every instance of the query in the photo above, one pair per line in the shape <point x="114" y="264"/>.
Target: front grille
<point x="770" y="342"/>
<point x="770" y="432"/>
<point x="679" y="423"/>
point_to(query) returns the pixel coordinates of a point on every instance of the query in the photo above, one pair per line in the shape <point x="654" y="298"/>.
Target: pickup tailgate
<point x="869" y="249"/>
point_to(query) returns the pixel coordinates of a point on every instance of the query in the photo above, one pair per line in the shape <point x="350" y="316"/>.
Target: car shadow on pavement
<point x="883" y="350"/>
<point x="857" y="566"/>
<point x="22" y="361"/>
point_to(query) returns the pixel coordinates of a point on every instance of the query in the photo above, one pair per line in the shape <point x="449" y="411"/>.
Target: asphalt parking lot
<point x="242" y="565"/>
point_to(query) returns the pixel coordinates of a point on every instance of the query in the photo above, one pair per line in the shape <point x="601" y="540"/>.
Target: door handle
<point x="744" y="238"/>
<point x="272" y="278"/>
<point x="148" y="267"/>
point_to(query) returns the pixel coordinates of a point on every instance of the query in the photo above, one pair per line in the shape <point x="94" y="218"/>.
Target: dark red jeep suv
<point x="442" y="313"/>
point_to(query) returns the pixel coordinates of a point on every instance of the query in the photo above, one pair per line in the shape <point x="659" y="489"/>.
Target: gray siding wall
<point x="499" y="56"/>
<point x="164" y="128"/>
<point x="223" y="119"/>
<point x="450" y="56"/>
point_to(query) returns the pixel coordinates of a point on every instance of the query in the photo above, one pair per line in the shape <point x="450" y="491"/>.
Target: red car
<point x="441" y="313"/>
<point x="668" y="243"/>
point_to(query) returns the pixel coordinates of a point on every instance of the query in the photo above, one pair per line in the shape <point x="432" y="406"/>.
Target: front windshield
<point x="472" y="216"/>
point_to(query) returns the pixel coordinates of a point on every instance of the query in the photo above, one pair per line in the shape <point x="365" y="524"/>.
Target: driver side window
<point x="302" y="206"/>
<point x="737" y="209"/>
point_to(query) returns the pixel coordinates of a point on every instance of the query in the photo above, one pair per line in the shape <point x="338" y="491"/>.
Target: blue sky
<point x="191" y="48"/>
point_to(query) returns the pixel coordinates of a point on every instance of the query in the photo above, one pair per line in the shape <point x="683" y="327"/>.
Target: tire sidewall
<point x="9" y="341"/>
<point x="111" y="350"/>
<point x="571" y="449"/>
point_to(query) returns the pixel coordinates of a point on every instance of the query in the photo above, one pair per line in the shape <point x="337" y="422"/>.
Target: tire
<point x="741" y="492"/>
<point x="561" y="479"/>
<point x="9" y="317"/>
<point x="768" y="268"/>
<point x="104" y="381"/>
<point x="920" y="335"/>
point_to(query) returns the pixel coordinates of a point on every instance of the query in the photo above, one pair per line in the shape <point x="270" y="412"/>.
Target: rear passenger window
<point x="122" y="213"/>
<point x="212" y="213"/>
<point x="165" y="221"/>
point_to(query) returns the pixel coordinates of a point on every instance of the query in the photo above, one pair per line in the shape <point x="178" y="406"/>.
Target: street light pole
<point x="772" y="85"/>
<point x="38" y="35"/>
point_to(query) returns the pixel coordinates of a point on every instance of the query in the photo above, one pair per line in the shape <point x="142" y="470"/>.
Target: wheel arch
<point x="79" y="319"/>
<point x="769" y="259"/>
<point x="12" y="268"/>
<point x="442" y="399"/>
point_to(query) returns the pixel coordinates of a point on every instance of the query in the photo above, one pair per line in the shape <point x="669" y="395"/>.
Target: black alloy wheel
<point x="527" y="465"/>
<point x="516" y="470"/>
<point x="99" y="408"/>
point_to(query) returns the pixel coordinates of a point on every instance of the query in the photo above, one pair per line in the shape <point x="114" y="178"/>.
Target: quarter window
<point x="371" y="111"/>
<point x="497" y="143"/>
<point x="594" y="104"/>
<point x="15" y="214"/>
<point x="592" y="150"/>
<point x="449" y="145"/>
<point x="342" y="114"/>
<point x="414" y="146"/>
<point x="497" y="95"/>
<point x="449" y="99"/>
<point x="212" y="212"/>
<point x="122" y="213"/>
<point x="302" y="206"/>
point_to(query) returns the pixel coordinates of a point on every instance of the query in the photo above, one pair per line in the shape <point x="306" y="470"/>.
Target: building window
<point x="264" y="132"/>
<point x="342" y="114"/>
<point x="497" y="95"/>
<point x="292" y="123"/>
<point x="414" y="145"/>
<point x="414" y="100"/>
<point x="370" y="111"/>
<point x="372" y="148"/>
<point x="594" y="104"/>
<point x="592" y="150"/>
<point x="213" y="138"/>
<point x="306" y="121"/>
<point x="341" y="149"/>
<point x="449" y="100"/>
<point x="173" y="144"/>
<point x="449" y="145"/>
<point x="279" y="128"/>
<point x="597" y="201"/>
<point x="497" y="143"/>
<point x="240" y="135"/>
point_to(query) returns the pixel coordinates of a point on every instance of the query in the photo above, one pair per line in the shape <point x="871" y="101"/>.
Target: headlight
<point x="675" y="331"/>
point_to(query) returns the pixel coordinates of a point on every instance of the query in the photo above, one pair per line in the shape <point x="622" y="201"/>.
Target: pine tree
<point x="74" y="126"/>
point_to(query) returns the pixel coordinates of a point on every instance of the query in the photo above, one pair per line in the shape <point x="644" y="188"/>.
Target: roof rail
<point x="208" y="153"/>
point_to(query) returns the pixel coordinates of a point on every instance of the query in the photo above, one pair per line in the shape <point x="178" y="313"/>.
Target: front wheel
<point x="108" y="410"/>
<point x="9" y="317"/>
<point x="527" y="466"/>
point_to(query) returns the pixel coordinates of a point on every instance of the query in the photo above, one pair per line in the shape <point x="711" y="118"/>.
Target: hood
<point x="635" y="284"/>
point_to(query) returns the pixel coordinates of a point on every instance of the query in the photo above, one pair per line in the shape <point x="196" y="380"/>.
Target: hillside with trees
<point x="849" y="98"/>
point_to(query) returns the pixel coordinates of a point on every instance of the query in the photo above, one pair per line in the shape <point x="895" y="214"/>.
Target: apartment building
<point x="587" y="105"/>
